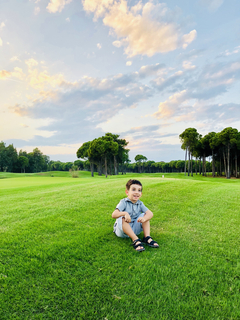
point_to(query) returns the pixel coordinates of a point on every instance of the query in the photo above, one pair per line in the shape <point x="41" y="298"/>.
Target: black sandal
<point x="151" y="243"/>
<point x="138" y="245"/>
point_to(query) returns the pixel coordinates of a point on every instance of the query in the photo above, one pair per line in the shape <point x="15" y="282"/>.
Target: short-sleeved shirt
<point x="134" y="209"/>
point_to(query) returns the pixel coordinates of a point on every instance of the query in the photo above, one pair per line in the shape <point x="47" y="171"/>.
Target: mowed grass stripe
<point x="62" y="261"/>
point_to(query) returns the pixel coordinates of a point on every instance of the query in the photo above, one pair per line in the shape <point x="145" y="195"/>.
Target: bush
<point x="74" y="171"/>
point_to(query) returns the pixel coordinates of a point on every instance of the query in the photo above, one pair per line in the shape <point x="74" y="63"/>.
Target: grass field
<point x="59" y="258"/>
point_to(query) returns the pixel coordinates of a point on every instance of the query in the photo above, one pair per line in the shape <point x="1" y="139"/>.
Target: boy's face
<point x="134" y="192"/>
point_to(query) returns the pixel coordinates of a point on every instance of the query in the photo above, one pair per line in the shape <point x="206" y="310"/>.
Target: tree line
<point x="12" y="161"/>
<point x="109" y="154"/>
<point x="222" y="147"/>
<point x="35" y="161"/>
<point x="174" y="166"/>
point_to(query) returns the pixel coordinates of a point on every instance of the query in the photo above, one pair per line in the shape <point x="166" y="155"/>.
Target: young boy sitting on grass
<point x="132" y="217"/>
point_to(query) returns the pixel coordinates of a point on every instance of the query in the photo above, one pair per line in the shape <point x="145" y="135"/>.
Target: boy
<point x="132" y="217"/>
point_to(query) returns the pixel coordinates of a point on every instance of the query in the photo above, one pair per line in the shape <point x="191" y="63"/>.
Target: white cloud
<point x="99" y="46"/>
<point x="117" y="43"/>
<point x="36" y="10"/>
<point x="57" y="5"/>
<point x="1" y="42"/>
<point x="41" y="80"/>
<point x="229" y="53"/>
<point x="31" y="63"/>
<point x="2" y="25"/>
<point x="188" y="38"/>
<point x="212" y="5"/>
<point x="68" y="19"/>
<point x="143" y="29"/>
<point x="16" y="73"/>
<point x="188" y="65"/>
<point x="4" y="74"/>
<point x="168" y="108"/>
<point x="15" y="58"/>
<point x="128" y="63"/>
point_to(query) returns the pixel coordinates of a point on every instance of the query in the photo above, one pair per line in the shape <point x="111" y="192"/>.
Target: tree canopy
<point x="107" y="151"/>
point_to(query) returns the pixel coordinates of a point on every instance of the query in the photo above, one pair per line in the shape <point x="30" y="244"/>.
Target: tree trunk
<point x="188" y="161"/>
<point x="106" y="166"/>
<point x="191" y="167"/>
<point x="200" y="162"/>
<point x="236" y="172"/>
<point x="115" y="166"/>
<point x="213" y="165"/>
<point x="92" y="168"/>
<point x="185" y="167"/>
<point x="196" y="166"/>
<point x="228" y="162"/>
<point x="203" y="165"/>
<point x="225" y="167"/>
<point x="100" y="168"/>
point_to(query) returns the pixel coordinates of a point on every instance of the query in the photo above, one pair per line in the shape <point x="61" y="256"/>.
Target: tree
<point x="82" y="153"/>
<point x="122" y="156"/>
<point x="36" y="160"/>
<point x="103" y="148"/>
<point x="23" y="163"/>
<point x="79" y="164"/>
<point x="140" y="159"/>
<point x="12" y="158"/>
<point x="207" y="148"/>
<point x="229" y="138"/>
<point x="189" y="138"/>
<point x="3" y="156"/>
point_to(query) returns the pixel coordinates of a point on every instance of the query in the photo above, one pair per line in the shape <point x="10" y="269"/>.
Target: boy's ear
<point x="126" y="191"/>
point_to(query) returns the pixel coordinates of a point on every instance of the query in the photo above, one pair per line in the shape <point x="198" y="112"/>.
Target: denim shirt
<point x="134" y="209"/>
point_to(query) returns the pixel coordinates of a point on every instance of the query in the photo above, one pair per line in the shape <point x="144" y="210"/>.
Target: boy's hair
<point x="130" y="182"/>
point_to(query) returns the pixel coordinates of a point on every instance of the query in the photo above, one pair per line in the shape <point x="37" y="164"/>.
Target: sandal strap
<point x="153" y="242"/>
<point x="135" y="241"/>
<point x="138" y="245"/>
<point x="146" y="239"/>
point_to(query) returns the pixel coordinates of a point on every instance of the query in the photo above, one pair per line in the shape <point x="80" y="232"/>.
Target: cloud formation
<point x="144" y="29"/>
<point x="16" y="73"/>
<point x="57" y="5"/>
<point x="75" y="109"/>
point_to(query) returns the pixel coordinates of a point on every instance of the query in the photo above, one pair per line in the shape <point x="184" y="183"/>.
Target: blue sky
<point x="71" y="70"/>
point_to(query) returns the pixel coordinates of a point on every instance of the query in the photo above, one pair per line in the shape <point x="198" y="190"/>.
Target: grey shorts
<point x="136" y="227"/>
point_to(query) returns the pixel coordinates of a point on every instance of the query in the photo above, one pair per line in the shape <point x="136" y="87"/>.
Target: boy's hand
<point x="141" y="219"/>
<point x="127" y="217"/>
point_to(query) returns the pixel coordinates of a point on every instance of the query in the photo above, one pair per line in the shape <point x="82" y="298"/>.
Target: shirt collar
<point x="128" y="200"/>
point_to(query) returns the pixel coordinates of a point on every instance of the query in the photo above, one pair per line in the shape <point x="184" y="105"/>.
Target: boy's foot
<point x="150" y="242"/>
<point x="138" y="246"/>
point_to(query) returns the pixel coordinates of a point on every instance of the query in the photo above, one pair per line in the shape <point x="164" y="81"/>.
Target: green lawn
<point x="59" y="258"/>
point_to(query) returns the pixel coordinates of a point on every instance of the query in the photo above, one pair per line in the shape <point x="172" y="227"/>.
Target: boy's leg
<point x="146" y="231"/>
<point x="128" y="230"/>
<point x="146" y="228"/>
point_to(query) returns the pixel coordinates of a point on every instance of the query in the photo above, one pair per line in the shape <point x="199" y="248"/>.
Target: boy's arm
<point x="148" y="216"/>
<point x="117" y="213"/>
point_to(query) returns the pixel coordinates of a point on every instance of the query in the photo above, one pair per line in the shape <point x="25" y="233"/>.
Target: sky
<point x="72" y="70"/>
